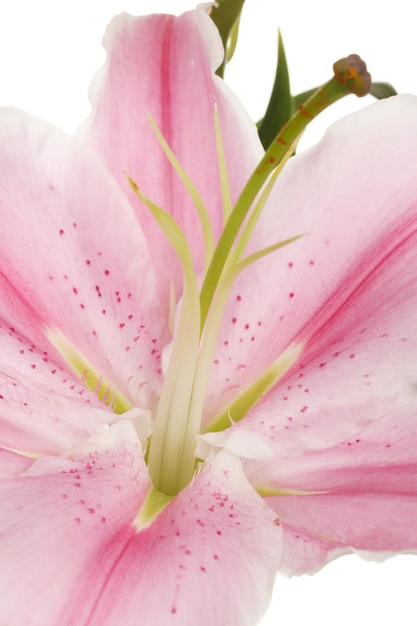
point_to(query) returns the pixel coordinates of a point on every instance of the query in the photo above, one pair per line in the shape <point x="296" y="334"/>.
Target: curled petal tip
<point x="352" y="71"/>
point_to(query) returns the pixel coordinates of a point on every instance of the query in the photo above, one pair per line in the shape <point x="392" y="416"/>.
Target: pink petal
<point x="63" y="524"/>
<point x="347" y="290"/>
<point x="376" y="525"/>
<point x="358" y="495"/>
<point x="355" y="368"/>
<point x="163" y="66"/>
<point x="12" y="463"/>
<point x="73" y="258"/>
<point x="43" y="408"/>
<point x="371" y="524"/>
<point x="210" y="558"/>
<point x="68" y="537"/>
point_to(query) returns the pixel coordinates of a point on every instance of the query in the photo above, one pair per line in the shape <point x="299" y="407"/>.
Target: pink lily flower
<point x="303" y="404"/>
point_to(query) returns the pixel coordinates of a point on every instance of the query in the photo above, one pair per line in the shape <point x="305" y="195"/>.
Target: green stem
<point x="350" y="77"/>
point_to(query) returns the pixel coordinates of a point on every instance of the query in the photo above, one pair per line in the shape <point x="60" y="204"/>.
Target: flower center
<point x="177" y="422"/>
<point x="171" y="455"/>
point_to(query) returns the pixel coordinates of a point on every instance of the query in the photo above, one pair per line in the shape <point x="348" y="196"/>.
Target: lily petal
<point x="82" y="559"/>
<point x="358" y="495"/>
<point x="163" y="66"/>
<point x="12" y="463"/>
<point x="43" y="408"/>
<point x="215" y="531"/>
<point x="376" y="526"/>
<point x="74" y="260"/>
<point x="69" y="508"/>
<point x="346" y="291"/>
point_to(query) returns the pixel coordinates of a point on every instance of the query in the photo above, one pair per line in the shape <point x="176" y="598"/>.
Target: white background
<point x="48" y="53"/>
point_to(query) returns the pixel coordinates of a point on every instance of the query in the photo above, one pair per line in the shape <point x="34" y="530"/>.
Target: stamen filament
<point x="192" y="190"/>
<point x="224" y="181"/>
<point x="244" y="263"/>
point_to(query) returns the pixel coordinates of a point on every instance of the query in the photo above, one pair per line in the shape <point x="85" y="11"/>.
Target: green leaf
<point x="232" y="42"/>
<point x="281" y="105"/>
<point x="382" y="90"/>
<point x="226" y="14"/>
